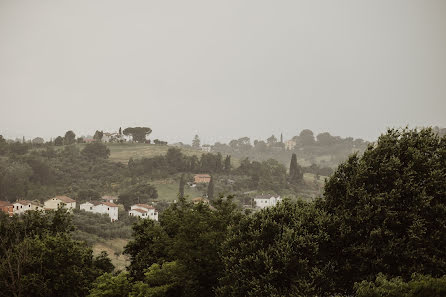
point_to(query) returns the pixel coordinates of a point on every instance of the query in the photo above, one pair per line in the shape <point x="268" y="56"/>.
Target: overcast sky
<point x="221" y="69"/>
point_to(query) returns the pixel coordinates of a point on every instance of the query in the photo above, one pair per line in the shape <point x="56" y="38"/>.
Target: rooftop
<point x="64" y="199"/>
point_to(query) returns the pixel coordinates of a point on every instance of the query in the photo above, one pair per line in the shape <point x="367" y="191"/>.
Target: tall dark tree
<point x="138" y="134"/>
<point x="120" y="131"/>
<point x="211" y="187"/>
<point x="227" y="165"/>
<point x="182" y="184"/>
<point x="296" y="173"/>
<point x="389" y="209"/>
<point x="69" y="138"/>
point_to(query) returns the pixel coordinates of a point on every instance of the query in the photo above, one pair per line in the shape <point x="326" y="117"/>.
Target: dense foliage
<point x="277" y="252"/>
<point x="39" y="258"/>
<point x="191" y="235"/>
<point x="418" y="286"/>
<point x="389" y="208"/>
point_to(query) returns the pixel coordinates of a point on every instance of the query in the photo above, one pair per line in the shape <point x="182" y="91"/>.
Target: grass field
<point x="122" y="152"/>
<point x="114" y="248"/>
<point x="168" y="190"/>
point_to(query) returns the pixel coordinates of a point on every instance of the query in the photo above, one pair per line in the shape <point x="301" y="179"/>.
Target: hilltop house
<point x="60" y="201"/>
<point x="144" y="211"/>
<point x="7" y="208"/>
<point x="263" y="201"/>
<point x="290" y="145"/>
<point x="202" y="178"/>
<point x="107" y="208"/>
<point x="24" y="205"/>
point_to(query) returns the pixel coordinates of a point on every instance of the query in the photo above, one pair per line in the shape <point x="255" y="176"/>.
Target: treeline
<point x="40" y="173"/>
<point x="380" y="227"/>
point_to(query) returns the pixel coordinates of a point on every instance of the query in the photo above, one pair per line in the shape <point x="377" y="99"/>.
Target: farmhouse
<point x="7" y="208"/>
<point x="24" y="205"/>
<point x="144" y="211"/>
<point x="107" y="208"/>
<point x="202" y="178"/>
<point x="264" y="201"/>
<point x="60" y="201"/>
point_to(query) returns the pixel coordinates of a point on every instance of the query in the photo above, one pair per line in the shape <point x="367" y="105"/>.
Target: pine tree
<point x="211" y="189"/>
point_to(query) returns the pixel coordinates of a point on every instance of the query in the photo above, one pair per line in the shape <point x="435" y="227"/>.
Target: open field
<point x="122" y="152"/>
<point x="114" y="248"/>
<point x="168" y="190"/>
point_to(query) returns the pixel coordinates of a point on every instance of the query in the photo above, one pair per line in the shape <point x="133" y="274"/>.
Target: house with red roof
<point x="7" y="208"/>
<point x="202" y="178"/>
<point x="60" y="202"/>
<point x="143" y="211"/>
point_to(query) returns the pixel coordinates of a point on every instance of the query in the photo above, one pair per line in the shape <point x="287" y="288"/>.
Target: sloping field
<point x="122" y="152"/>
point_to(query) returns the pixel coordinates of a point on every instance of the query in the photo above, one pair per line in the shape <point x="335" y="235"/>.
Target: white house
<point x="60" y="202"/>
<point x="144" y="211"/>
<point x="264" y="201"/>
<point x="206" y="148"/>
<point x="107" y="208"/>
<point x="24" y="205"/>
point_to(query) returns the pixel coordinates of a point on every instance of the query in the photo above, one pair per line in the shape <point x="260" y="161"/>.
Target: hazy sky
<point x="222" y="69"/>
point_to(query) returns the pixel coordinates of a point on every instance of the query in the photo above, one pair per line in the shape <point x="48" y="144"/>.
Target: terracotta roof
<point x="202" y="175"/>
<point x="109" y="204"/>
<point x="145" y="206"/>
<point x="139" y="210"/>
<point x="5" y="203"/>
<point x="64" y="199"/>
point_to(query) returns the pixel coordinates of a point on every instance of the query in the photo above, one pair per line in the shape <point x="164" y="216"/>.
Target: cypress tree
<point x="182" y="183"/>
<point x="211" y="189"/>
<point x="296" y="174"/>
<point x="228" y="163"/>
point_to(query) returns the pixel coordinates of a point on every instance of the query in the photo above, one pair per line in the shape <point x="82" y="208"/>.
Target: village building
<point x="263" y="201"/>
<point x="60" y="202"/>
<point x="206" y="148"/>
<point x="7" y="208"/>
<point x="22" y="206"/>
<point x="107" y="208"/>
<point x="290" y="145"/>
<point x="144" y="211"/>
<point x="202" y="178"/>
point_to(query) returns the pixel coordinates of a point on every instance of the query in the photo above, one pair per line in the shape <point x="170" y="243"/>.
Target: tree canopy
<point x="138" y="133"/>
<point x="389" y="208"/>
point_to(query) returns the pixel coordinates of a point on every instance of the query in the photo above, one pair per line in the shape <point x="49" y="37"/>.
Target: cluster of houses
<point x="105" y="206"/>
